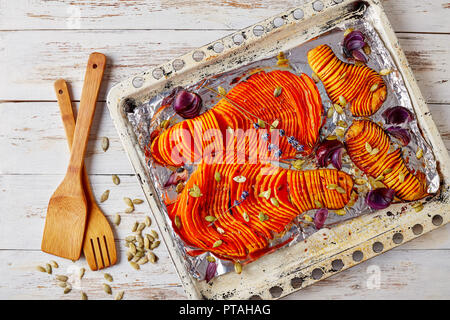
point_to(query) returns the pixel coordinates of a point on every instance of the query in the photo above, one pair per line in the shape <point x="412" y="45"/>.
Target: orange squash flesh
<point x="359" y="85"/>
<point x="298" y="109"/>
<point x="412" y="187"/>
<point x="293" y="191"/>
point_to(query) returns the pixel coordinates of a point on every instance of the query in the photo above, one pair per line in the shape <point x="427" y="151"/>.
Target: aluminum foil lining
<point x="397" y="96"/>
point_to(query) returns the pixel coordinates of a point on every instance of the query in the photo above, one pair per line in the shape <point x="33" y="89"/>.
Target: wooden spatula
<point x="99" y="247"/>
<point x="67" y="209"/>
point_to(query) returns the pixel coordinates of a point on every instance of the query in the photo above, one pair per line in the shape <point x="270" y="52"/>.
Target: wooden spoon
<point x="99" y="247"/>
<point x="67" y="209"/>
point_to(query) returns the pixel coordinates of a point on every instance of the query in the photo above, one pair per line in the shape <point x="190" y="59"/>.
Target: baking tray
<point x="326" y="252"/>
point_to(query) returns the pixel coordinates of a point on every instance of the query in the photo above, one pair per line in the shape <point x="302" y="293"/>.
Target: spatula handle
<point x="91" y="87"/>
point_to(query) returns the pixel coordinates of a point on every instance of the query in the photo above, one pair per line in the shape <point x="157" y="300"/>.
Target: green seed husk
<point x="115" y="179"/>
<point x="178" y="222"/>
<point x="134" y="265"/>
<point x="105" y="143"/>
<point x="83" y="296"/>
<point x="104" y="196"/>
<point x="61" y="278"/>
<point x="119" y="295"/>
<point x="217" y="176"/>
<point x="41" y="269"/>
<point x="155" y="245"/>
<point x="128" y="201"/>
<point x="117" y="219"/>
<point x="138" y="201"/>
<point x="67" y="289"/>
<point x="107" y="288"/>
<point x="217" y="243"/>
<point x="148" y="221"/>
<point x="237" y="267"/>
<point x="210" y="218"/>
<point x="108" y="277"/>
<point x="81" y="274"/>
<point x="245" y="216"/>
<point x="54" y="264"/>
<point x="277" y="91"/>
<point x="275" y="202"/>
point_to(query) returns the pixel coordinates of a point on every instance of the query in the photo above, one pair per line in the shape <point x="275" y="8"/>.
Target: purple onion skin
<point x="397" y="115"/>
<point x="176" y="177"/>
<point x="359" y="55"/>
<point x="210" y="271"/>
<point x="380" y="198"/>
<point x="320" y="217"/>
<point x="330" y="151"/>
<point x="353" y="44"/>
<point x="401" y="134"/>
<point x="187" y="104"/>
<point x="353" y="36"/>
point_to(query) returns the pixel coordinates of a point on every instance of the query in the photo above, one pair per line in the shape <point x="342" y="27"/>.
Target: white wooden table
<point x="41" y="41"/>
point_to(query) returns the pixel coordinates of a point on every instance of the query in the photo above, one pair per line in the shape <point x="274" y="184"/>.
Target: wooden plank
<point x="405" y="15"/>
<point x="31" y="66"/>
<point x="403" y="274"/>
<point x="25" y="198"/>
<point x="33" y="130"/>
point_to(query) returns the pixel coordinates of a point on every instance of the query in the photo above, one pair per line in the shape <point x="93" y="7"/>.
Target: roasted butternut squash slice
<point x="361" y="86"/>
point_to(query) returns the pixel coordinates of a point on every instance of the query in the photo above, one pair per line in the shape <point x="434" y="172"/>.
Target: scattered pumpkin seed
<point x="152" y="257"/>
<point x="274" y="125"/>
<point x="132" y="248"/>
<point x="179" y="188"/>
<point x="178" y="222"/>
<point x="119" y="295"/>
<point x="374" y="87"/>
<point x="61" y="284"/>
<point x="315" y="77"/>
<point x="134" y="265"/>
<point x="339" y="132"/>
<point x="360" y="181"/>
<point x="217" y="243"/>
<point x="342" y="101"/>
<point x="332" y="137"/>
<point x="380" y="178"/>
<point x="195" y="191"/>
<point x="387" y="171"/>
<point x="104" y="196"/>
<point x="155" y="245"/>
<point x="275" y="202"/>
<point x="41" y="269"/>
<point x="147" y="243"/>
<point x="138" y="201"/>
<point x="217" y="176"/>
<point x="61" y="278"/>
<point x="148" y="221"/>
<point x="130" y="238"/>
<point x="368" y="148"/>
<point x="220" y="230"/>
<point x="150" y="237"/>
<point x="141" y="226"/>
<point x="338" y="108"/>
<point x="54" y="264"/>
<point x="129" y="255"/>
<point x="164" y="124"/>
<point x="385" y="72"/>
<point x="298" y="164"/>
<point x="237" y="267"/>
<point x="342" y="124"/>
<point x="117" y="219"/>
<point x="419" y="153"/>
<point x="142" y="261"/>
<point x="308" y="218"/>
<point x="210" y="259"/>
<point x="318" y="203"/>
<point x="108" y="277"/>
<point x="154" y="234"/>
<point x="135" y="226"/>
<point x="340" y="212"/>
<point x="265" y="194"/>
<point x="67" y="289"/>
<point x="341" y="190"/>
<point x="129" y="210"/>
<point x="374" y="151"/>
<point x="240" y="179"/>
<point x="48" y="268"/>
<point x="81" y="273"/>
<point x="83" y="296"/>
<point x="367" y="49"/>
<point x="107" y="288"/>
<point x="115" y="179"/>
<point x="263" y="217"/>
<point x="128" y="201"/>
<point x="401" y="177"/>
<point x="245" y="216"/>
<point x="330" y="112"/>
<point x="277" y="91"/>
<point x="261" y="123"/>
<point x="210" y="218"/>
<point x="221" y="91"/>
<point x="332" y="186"/>
<point x="418" y="206"/>
<point x="105" y="143"/>
<point x="348" y="31"/>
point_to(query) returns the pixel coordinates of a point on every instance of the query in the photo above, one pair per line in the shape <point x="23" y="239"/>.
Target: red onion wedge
<point x="397" y="115"/>
<point x="187" y="104"/>
<point x="400" y="133"/>
<point x="330" y="151"/>
<point x="380" y="198"/>
<point x="320" y="218"/>
<point x="210" y="271"/>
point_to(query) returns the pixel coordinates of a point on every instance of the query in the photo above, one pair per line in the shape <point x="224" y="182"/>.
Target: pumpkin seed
<point x="387" y="171"/>
<point x="81" y="273"/>
<point x="245" y="216"/>
<point x="104" y="196"/>
<point x="385" y="72"/>
<point x="134" y="265"/>
<point x="105" y="143"/>
<point x="277" y="92"/>
<point x="332" y="137"/>
<point x="217" y="243"/>
<point x="332" y="186"/>
<point x="265" y="194"/>
<point x="315" y="77"/>
<point x="54" y="264"/>
<point x="330" y="112"/>
<point x="418" y="206"/>
<point x="374" y="87"/>
<point x="142" y="261"/>
<point x="348" y="31"/>
<point x="61" y="284"/>
<point x="379" y="178"/>
<point x="108" y="277"/>
<point x="263" y="217"/>
<point x="138" y="201"/>
<point x="367" y="49"/>
<point x="119" y="295"/>
<point x="275" y="202"/>
<point x="220" y="230"/>
<point x="141" y="226"/>
<point x="360" y="181"/>
<point x="237" y="267"/>
<point x="195" y="191"/>
<point x="134" y="227"/>
<point x="61" y="278"/>
<point x="419" y="153"/>
<point x="132" y="248"/>
<point x="340" y="212"/>
<point x="129" y="255"/>
<point x="342" y="76"/>
<point x="341" y="190"/>
<point x="146" y="243"/>
<point x="342" y="124"/>
<point x="107" y="288"/>
<point x="210" y="259"/>
<point x="297" y="164"/>
<point x="359" y="63"/>
<point x="342" y="101"/>
<point x="338" y="108"/>
<point x="179" y="188"/>
<point x="148" y="221"/>
<point x="155" y="245"/>
<point x="308" y="218"/>
<point x="178" y="222"/>
<point x="368" y="148"/>
<point x="115" y="179"/>
<point x="240" y="179"/>
<point x="318" y="203"/>
<point x="129" y="210"/>
<point x="164" y="124"/>
<point x="154" y="234"/>
<point x="67" y="289"/>
<point x="128" y="201"/>
<point x="210" y="218"/>
<point x="130" y="238"/>
<point x="401" y="177"/>
<point x="41" y="269"/>
<point x="339" y="132"/>
<point x="83" y="295"/>
<point x="274" y="125"/>
<point x="374" y="151"/>
<point x="152" y="257"/>
<point x="117" y="219"/>
<point x="150" y="237"/>
<point x="217" y="176"/>
<point x="261" y="123"/>
<point x="221" y="91"/>
<point x="48" y="268"/>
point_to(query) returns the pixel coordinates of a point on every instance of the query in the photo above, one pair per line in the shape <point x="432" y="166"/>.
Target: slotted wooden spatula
<point x="99" y="247"/>
<point x="66" y="214"/>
